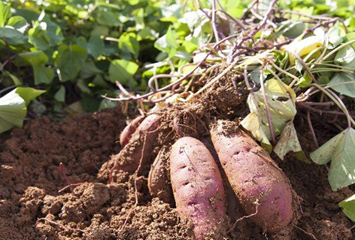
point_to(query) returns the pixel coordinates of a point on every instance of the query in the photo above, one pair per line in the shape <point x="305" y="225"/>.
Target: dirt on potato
<point x="55" y="180"/>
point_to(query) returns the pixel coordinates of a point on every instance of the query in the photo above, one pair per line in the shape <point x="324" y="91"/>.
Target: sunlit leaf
<point x="345" y="55"/>
<point x="4" y="13"/>
<point x="17" y="22"/>
<point x="12" y="111"/>
<point x="28" y="93"/>
<point x="303" y="47"/>
<point x="335" y="37"/>
<point x="38" y="36"/>
<point x="122" y="71"/>
<point x="252" y="123"/>
<point x="340" y="152"/>
<point x="128" y="44"/>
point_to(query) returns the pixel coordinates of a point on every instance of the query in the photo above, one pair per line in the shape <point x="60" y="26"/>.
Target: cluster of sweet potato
<point x="263" y="190"/>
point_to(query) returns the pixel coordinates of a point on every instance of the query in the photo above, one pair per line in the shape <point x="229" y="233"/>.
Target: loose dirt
<point x="34" y="205"/>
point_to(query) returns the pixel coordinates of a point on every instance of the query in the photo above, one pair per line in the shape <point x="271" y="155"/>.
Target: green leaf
<point x="12" y="36"/>
<point x="348" y="206"/>
<point x="107" y="104"/>
<point x="12" y="111"/>
<point x="60" y="94"/>
<point x="168" y="43"/>
<point x="122" y="71"/>
<point x="4" y="14"/>
<point x="291" y="29"/>
<point x="340" y="152"/>
<point x="37" y="60"/>
<point x="95" y="46"/>
<point x="38" y="36"/>
<point x="89" y="69"/>
<point x="343" y="83"/>
<point x="335" y="37"/>
<point x="128" y="44"/>
<point x="83" y="86"/>
<point x="345" y="55"/>
<point x="90" y="104"/>
<point x="54" y="31"/>
<point x="288" y="141"/>
<point x="14" y="78"/>
<point x="43" y="75"/>
<point x="17" y="22"/>
<point x="107" y="18"/>
<point x="28" y="93"/>
<point x="69" y="61"/>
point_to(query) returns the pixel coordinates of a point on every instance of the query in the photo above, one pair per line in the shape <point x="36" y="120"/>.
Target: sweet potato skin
<point x="128" y="131"/>
<point x="197" y="187"/>
<point x="140" y="145"/>
<point x="259" y="184"/>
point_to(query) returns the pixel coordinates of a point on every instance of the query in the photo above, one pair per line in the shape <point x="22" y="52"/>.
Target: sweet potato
<point x="139" y="146"/>
<point x="197" y="187"/>
<point x="260" y="185"/>
<point x="159" y="179"/>
<point x="127" y="132"/>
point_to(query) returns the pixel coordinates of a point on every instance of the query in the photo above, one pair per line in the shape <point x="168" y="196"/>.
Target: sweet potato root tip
<point x="259" y="184"/>
<point x="127" y="132"/>
<point x="197" y="187"/>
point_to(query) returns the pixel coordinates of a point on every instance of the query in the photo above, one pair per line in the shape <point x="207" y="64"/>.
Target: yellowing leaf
<point x="340" y="152"/>
<point x="251" y="122"/>
<point x="280" y="99"/>
<point x="288" y="141"/>
<point x="303" y="47"/>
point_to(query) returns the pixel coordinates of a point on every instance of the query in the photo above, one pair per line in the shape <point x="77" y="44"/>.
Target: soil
<point x="51" y="187"/>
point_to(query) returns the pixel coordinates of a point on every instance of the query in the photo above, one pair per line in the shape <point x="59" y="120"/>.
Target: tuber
<point x="262" y="188"/>
<point x="197" y="187"/>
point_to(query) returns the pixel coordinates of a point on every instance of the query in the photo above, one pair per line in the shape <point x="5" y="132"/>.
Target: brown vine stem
<point x="255" y="31"/>
<point x="311" y="129"/>
<point x="267" y="108"/>
<point x="167" y="87"/>
<point x="214" y="21"/>
<point x="308" y="70"/>
<point x="236" y="21"/>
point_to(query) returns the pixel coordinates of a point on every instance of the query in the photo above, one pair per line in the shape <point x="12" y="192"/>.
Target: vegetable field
<point x="177" y="119"/>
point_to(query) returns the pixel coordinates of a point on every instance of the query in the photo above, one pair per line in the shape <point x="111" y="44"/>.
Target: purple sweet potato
<point x="127" y="132"/>
<point x="197" y="187"/>
<point x="260" y="185"/>
<point x="140" y="146"/>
